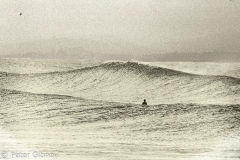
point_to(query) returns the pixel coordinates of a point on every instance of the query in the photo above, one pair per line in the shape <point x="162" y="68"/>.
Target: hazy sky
<point x="141" y="21"/>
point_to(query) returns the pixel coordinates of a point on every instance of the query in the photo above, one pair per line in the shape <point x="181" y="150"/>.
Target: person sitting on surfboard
<point x="144" y="102"/>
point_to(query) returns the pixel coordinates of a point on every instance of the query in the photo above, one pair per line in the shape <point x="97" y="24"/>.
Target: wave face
<point x="129" y="83"/>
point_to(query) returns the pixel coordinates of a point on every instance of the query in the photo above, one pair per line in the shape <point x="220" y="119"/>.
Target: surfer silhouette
<point x="144" y="102"/>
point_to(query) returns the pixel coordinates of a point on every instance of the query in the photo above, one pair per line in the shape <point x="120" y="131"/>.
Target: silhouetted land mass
<point x="112" y="48"/>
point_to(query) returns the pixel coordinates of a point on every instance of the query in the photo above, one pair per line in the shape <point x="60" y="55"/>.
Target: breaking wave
<point x="129" y="83"/>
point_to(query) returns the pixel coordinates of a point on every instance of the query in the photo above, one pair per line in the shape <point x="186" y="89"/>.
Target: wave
<point x="130" y="83"/>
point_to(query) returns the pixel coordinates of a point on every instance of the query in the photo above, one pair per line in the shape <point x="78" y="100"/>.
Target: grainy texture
<point x="95" y="113"/>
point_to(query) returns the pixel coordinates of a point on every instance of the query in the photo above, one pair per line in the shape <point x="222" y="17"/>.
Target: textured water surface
<point x="95" y="113"/>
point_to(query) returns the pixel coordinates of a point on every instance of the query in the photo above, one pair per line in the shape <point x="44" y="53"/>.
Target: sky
<point x="144" y="22"/>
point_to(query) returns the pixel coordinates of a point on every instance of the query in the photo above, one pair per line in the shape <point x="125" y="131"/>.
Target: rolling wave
<point x="129" y="83"/>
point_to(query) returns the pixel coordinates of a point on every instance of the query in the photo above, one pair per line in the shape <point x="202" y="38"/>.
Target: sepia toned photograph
<point x="120" y="79"/>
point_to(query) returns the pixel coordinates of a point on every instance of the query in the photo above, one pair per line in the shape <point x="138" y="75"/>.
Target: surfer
<point x="144" y="102"/>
